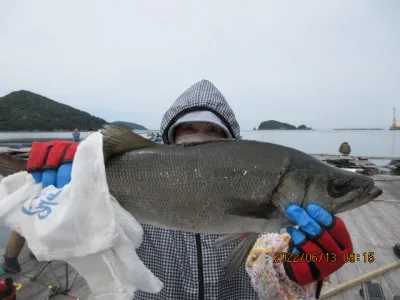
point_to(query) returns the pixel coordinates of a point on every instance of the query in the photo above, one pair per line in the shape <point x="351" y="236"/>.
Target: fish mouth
<point x="369" y="194"/>
<point x="374" y="192"/>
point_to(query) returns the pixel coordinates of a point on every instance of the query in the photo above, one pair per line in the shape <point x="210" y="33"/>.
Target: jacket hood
<point x="202" y="95"/>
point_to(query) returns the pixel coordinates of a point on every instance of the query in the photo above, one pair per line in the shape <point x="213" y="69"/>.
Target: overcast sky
<point x="326" y="64"/>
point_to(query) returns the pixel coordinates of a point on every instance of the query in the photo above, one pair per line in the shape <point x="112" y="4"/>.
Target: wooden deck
<point x="373" y="228"/>
<point x="53" y="275"/>
<point x="335" y="156"/>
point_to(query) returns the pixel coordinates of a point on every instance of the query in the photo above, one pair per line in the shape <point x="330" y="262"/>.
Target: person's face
<point x="198" y="131"/>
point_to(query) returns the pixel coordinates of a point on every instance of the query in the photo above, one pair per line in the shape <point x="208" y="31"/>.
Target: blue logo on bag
<point x="41" y="204"/>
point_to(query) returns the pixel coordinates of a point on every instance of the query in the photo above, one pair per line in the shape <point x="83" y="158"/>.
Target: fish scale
<point x="200" y="186"/>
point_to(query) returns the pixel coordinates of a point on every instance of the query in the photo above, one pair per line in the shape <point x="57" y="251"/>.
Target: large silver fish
<point x="236" y="188"/>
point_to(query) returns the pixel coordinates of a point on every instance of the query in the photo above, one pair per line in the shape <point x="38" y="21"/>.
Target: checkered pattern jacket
<point x="188" y="264"/>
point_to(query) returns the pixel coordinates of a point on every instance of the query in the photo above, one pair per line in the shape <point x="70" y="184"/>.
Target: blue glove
<point x="309" y="221"/>
<point x="58" y="178"/>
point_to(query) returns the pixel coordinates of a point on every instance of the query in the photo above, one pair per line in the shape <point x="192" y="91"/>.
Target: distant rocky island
<point x="26" y="111"/>
<point x="275" y="125"/>
<point x="129" y="125"/>
<point x="358" y="129"/>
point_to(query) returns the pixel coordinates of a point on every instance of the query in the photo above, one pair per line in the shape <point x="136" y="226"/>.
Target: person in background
<point x="189" y="264"/>
<point x="76" y="136"/>
<point x="345" y="148"/>
<point x="158" y="138"/>
<point x="13" y="249"/>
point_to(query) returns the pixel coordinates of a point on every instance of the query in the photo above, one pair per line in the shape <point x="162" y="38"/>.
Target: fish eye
<point x="338" y="187"/>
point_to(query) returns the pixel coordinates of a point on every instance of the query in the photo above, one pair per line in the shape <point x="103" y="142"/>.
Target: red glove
<point x="316" y="256"/>
<point x="50" y="155"/>
<point x="51" y="162"/>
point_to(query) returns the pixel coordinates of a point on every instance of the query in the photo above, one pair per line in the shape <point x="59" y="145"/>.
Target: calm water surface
<point x="362" y="142"/>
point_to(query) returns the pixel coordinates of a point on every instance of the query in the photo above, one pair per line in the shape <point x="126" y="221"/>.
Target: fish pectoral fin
<point x="260" y="212"/>
<point x="229" y="239"/>
<point x="239" y="255"/>
<point x="117" y="140"/>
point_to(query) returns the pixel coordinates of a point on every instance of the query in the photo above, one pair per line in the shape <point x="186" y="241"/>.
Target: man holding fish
<point x="192" y="263"/>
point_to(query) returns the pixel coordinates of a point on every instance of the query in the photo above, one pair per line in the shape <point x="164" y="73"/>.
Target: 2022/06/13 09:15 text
<point x="352" y="257"/>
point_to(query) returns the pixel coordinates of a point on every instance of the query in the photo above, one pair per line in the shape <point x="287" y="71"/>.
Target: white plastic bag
<point x="82" y="224"/>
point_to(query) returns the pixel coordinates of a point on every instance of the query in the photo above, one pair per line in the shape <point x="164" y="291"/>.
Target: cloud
<point x="325" y="64"/>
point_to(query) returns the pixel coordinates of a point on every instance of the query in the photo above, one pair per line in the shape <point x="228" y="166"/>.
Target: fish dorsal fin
<point x="118" y="140"/>
<point x="197" y="143"/>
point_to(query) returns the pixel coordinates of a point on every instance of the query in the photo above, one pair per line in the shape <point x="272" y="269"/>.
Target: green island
<point x="276" y="125"/>
<point x="26" y="111"/>
<point x="129" y="125"/>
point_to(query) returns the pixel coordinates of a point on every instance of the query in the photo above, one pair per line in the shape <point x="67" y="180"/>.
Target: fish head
<point x="340" y="190"/>
<point x="309" y="180"/>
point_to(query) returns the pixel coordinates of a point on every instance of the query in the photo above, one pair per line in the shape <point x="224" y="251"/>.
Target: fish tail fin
<point x="239" y="255"/>
<point x="10" y="164"/>
<point x="118" y="140"/>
